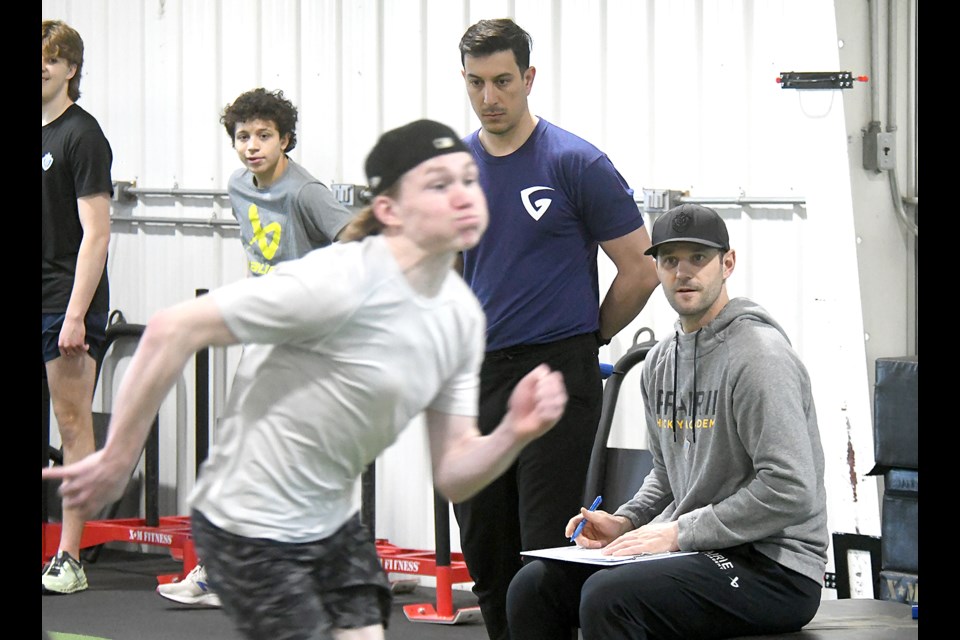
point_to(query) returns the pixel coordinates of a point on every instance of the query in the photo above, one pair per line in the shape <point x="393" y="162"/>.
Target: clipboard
<point x="574" y="553"/>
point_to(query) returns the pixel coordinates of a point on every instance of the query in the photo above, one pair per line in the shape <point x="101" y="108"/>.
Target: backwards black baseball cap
<point x="689" y="223"/>
<point x="401" y="149"/>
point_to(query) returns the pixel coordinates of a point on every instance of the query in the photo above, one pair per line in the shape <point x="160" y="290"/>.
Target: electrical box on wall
<point x="121" y="191"/>
<point x="660" y="200"/>
<point x="879" y="151"/>
<point x="345" y="194"/>
<point x="351" y="195"/>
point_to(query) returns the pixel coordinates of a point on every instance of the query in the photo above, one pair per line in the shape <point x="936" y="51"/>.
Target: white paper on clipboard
<point x="574" y="553"/>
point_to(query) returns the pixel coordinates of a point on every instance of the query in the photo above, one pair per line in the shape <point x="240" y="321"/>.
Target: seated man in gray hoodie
<point x="737" y="476"/>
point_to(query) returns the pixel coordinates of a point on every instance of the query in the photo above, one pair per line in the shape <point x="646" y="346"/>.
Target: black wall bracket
<point x="818" y="79"/>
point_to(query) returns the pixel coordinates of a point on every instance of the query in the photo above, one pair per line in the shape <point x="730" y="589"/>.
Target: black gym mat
<point x="121" y="604"/>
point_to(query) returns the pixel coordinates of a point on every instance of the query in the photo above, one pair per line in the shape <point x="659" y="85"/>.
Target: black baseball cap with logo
<point x="401" y="149"/>
<point x="689" y="223"/>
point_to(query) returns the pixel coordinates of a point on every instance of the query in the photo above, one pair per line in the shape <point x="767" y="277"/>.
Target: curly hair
<point x="260" y="104"/>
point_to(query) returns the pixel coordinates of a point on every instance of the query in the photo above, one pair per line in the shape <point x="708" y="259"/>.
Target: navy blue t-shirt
<point x="551" y="202"/>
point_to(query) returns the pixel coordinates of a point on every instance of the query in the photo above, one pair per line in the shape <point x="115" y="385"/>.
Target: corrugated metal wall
<point x="680" y="93"/>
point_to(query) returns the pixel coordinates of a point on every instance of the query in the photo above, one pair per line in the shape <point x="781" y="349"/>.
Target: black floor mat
<point x="121" y="604"/>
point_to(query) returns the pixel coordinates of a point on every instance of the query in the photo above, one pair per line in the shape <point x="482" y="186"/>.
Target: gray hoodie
<point x="743" y="463"/>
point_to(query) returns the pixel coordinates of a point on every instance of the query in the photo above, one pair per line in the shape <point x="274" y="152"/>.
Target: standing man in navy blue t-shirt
<point x="554" y="199"/>
<point x="75" y="161"/>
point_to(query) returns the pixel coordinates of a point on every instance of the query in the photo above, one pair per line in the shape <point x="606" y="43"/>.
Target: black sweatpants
<point x="707" y="596"/>
<point x="529" y="505"/>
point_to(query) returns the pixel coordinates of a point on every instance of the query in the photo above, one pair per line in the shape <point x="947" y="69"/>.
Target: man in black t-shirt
<point x="75" y="159"/>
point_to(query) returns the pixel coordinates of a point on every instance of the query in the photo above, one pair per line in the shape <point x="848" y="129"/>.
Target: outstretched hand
<point x="537" y="403"/>
<point x="88" y="485"/>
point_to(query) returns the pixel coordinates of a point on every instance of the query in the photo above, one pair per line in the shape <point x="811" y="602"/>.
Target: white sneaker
<point x="62" y="575"/>
<point x="191" y="590"/>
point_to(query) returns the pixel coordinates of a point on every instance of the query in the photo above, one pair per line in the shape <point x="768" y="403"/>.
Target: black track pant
<point x="733" y="592"/>
<point x="529" y="505"/>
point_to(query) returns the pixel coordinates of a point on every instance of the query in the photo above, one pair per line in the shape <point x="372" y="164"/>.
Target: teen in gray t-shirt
<point x="283" y="211"/>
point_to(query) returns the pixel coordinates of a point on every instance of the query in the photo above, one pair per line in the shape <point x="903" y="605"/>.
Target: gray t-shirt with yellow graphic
<point x="291" y="217"/>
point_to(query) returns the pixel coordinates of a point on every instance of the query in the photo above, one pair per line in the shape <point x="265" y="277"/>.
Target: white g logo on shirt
<point x="537" y="208"/>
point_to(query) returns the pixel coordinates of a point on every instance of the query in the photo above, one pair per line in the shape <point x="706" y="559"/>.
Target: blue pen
<point x="583" y="523"/>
